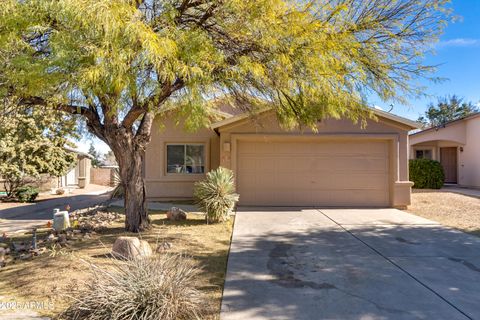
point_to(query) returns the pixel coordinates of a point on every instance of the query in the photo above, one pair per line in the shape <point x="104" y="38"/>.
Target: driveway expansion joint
<point x="398" y="266"/>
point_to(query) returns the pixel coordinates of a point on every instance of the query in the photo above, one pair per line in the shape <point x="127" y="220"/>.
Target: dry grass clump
<point x="162" y="287"/>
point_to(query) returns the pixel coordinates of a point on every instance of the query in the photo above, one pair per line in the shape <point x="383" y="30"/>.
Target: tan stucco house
<point x="456" y="145"/>
<point x="340" y="165"/>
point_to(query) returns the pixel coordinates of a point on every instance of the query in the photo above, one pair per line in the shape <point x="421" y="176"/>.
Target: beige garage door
<point x="316" y="173"/>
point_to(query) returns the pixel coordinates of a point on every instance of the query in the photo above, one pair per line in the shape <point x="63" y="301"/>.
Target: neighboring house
<point x="456" y="145"/>
<point x="340" y="165"/>
<point x="79" y="174"/>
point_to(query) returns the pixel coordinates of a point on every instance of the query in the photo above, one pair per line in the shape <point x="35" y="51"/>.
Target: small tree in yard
<point x="32" y="142"/>
<point x="119" y="62"/>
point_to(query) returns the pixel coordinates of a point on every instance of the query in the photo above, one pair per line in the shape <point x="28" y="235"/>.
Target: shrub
<point x="26" y="194"/>
<point x="426" y="174"/>
<point x="215" y="195"/>
<point x="161" y="287"/>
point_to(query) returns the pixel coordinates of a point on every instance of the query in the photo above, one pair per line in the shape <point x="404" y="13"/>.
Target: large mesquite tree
<point x="117" y="63"/>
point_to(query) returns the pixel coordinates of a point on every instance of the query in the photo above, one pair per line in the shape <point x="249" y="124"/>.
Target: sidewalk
<point x="461" y="190"/>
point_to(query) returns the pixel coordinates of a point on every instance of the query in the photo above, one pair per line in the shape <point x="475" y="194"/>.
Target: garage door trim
<point x="391" y="139"/>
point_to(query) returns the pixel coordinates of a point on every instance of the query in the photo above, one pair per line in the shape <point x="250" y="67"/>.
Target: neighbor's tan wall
<point x="268" y="124"/>
<point x="455" y="132"/>
<point x="463" y="134"/>
<point x="469" y="164"/>
<point x="159" y="185"/>
<point x="84" y="166"/>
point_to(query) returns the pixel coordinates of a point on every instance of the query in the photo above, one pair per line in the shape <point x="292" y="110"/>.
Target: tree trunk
<point x="130" y="161"/>
<point x="136" y="211"/>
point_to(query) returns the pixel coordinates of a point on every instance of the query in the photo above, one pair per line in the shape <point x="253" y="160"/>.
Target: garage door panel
<point x="317" y="173"/>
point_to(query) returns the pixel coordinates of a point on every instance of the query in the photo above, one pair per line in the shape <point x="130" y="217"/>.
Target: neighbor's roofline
<point x="474" y="115"/>
<point x="78" y="152"/>
<point x="390" y="116"/>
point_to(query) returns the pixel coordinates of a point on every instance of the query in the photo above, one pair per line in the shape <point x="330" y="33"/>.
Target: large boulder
<point x="131" y="248"/>
<point x="176" y="214"/>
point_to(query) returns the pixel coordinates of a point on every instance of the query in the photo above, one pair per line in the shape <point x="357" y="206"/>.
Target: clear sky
<point x="458" y="59"/>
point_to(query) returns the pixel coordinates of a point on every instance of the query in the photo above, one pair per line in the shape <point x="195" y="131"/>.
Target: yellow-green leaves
<point x="309" y="59"/>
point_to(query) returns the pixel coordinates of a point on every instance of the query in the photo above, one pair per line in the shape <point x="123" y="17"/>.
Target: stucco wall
<point x="269" y="125"/>
<point x="396" y="134"/>
<point x="161" y="185"/>
<point x="465" y="135"/>
<point x="470" y="157"/>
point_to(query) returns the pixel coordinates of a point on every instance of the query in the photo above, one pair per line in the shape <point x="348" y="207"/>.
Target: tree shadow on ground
<point x="366" y="271"/>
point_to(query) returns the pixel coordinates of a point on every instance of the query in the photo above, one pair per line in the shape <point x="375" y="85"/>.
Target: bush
<point x="26" y="194"/>
<point x="426" y="174"/>
<point x="215" y="195"/>
<point x="162" y="287"/>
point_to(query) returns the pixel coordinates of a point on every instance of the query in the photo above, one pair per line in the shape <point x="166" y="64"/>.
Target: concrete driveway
<point x="349" y="264"/>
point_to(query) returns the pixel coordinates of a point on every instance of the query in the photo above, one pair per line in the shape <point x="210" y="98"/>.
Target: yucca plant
<point x="216" y="194"/>
<point x="118" y="190"/>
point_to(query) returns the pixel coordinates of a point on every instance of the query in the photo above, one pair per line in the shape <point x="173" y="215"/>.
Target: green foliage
<point x="26" y="194"/>
<point x="313" y="59"/>
<point x="162" y="287"/>
<point x="447" y="109"/>
<point x="96" y="162"/>
<point x="216" y="194"/>
<point x="118" y="190"/>
<point x="32" y="142"/>
<point x="426" y="174"/>
<point x="120" y="62"/>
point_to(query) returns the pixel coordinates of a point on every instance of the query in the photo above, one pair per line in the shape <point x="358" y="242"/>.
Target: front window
<point x="186" y="158"/>
<point x="423" y="154"/>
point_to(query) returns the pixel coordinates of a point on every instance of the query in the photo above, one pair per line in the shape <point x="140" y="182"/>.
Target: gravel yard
<point x="451" y="209"/>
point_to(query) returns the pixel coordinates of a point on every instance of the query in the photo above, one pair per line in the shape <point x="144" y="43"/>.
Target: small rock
<point x="25" y="256"/>
<point x="18" y="247"/>
<point x="176" y="214"/>
<point x="2" y="255"/>
<point x="62" y="238"/>
<point x="87" y="236"/>
<point x="131" y="248"/>
<point x="3" y="245"/>
<point x="51" y="238"/>
<point x="163" y="247"/>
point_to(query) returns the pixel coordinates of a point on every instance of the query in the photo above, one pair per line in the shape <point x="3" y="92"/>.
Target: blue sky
<point x="458" y="57"/>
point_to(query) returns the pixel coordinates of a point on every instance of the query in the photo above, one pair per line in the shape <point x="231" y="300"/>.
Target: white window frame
<point x="185" y="144"/>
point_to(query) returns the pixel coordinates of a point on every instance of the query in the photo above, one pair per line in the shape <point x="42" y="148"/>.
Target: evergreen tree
<point x="447" y="109"/>
<point x="32" y="142"/>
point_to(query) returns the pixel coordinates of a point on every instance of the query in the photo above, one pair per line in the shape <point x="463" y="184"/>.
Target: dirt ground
<point x="451" y="209"/>
<point x="53" y="275"/>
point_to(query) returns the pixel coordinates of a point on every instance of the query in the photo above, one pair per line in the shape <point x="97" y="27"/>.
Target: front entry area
<point x="448" y="159"/>
<point x="318" y="172"/>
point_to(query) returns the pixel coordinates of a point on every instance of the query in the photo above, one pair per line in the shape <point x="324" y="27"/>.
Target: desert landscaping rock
<point x="176" y="214"/>
<point x="19" y="247"/>
<point x="131" y="248"/>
